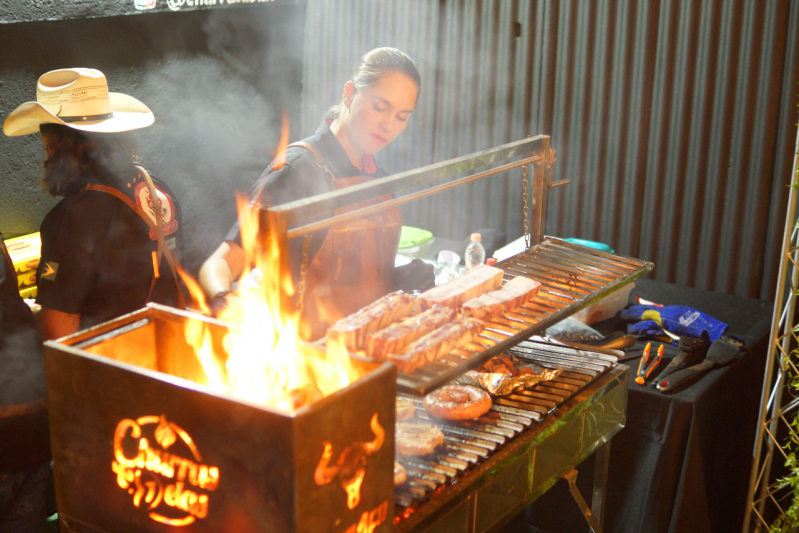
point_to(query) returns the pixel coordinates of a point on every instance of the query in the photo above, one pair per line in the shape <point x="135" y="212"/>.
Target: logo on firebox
<point x="170" y="487"/>
<point x="350" y="467"/>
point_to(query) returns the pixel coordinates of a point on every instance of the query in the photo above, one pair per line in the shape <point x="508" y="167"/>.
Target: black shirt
<point x="97" y="253"/>
<point x="301" y="177"/>
<point x="24" y="436"/>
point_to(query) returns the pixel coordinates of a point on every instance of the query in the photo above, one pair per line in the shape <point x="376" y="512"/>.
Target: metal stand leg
<point x="601" y="460"/>
<point x="571" y="478"/>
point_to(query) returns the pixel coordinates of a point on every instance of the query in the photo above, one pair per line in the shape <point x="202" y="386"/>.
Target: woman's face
<point x="380" y="112"/>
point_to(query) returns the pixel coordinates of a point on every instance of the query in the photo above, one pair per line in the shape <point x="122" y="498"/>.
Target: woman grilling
<point x="351" y="263"/>
<point x="108" y="245"/>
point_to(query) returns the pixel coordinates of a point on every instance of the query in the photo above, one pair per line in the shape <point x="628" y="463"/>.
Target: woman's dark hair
<point x="75" y="158"/>
<point x="374" y="65"/>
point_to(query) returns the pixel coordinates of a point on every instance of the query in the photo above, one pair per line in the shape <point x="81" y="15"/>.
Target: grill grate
<point x="469" y="443"/>
<point x="572" y="277"/>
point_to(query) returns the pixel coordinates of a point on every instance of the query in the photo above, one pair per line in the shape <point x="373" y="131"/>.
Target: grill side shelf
<point x="572" y="277"/>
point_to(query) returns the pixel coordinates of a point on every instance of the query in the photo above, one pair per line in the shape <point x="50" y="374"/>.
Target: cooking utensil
<point x="655" y="361"/>
<point x="720" y="353"/>
<point x="691" y="349"/>
<point x="631" y="355"/>
<point x="616" y="340"/>
<point x="642" y="364"/>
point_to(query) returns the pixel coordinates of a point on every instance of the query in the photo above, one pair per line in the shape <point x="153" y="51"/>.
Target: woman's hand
<point x="219" y="272"/>
<point x="415" y="276"/>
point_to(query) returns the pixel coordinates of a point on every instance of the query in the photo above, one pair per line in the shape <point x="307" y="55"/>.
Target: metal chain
<point x="306" y="246"/>
<point x="526" y="212"/>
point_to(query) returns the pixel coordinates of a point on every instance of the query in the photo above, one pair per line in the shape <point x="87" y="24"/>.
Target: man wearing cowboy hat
<point x="110" y="245"/>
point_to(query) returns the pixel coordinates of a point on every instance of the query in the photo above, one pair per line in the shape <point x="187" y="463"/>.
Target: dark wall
<point x="216" y="81"/>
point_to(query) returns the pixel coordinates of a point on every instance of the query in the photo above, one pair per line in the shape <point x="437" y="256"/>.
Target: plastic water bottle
<point x="475" y="253"/>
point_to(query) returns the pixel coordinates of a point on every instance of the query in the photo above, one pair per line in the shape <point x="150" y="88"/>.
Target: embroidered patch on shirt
<point x="50" y="270"/>
<point x="168" y="213"/>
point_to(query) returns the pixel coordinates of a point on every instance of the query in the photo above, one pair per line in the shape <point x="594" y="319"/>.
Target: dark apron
<point x="354" y="265"/>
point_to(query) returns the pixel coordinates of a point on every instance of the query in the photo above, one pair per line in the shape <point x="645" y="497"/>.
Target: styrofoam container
<point x="606" y="307"/>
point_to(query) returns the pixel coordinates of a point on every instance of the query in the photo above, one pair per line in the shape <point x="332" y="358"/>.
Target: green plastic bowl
<point x="411" y="237"/>
<point x="414" y="242"/>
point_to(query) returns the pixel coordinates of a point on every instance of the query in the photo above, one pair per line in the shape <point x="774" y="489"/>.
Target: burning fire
<point x="266" y="363"/>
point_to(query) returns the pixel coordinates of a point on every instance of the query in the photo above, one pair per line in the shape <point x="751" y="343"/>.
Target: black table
<point x="683" y="461"/>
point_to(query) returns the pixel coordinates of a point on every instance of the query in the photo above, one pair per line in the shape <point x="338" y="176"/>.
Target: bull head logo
<point x="351" y="464"/>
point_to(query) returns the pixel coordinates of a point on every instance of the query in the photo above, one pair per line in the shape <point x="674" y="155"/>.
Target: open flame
<point x="266" y="363"/>
<point x="280" y="154"/>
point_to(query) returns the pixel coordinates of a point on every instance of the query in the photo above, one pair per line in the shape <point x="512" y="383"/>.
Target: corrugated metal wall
<point x="674" y="119"/>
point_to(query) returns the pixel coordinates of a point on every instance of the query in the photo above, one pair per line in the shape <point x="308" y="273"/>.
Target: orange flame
<point x="265" y="364"/>
<point x="280" y="153"/>
<point x="195" y="291"/>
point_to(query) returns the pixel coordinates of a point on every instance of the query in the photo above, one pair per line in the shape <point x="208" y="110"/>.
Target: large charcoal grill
<point x="487" y="470"/>
<point x="490" y="468"/>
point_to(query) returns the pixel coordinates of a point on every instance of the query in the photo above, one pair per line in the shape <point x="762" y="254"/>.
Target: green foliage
<point x="789" y="521"/>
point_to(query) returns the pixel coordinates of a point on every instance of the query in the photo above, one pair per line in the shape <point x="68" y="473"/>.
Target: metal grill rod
<point x="316" y="226"/>
<point x="308" y="209"/>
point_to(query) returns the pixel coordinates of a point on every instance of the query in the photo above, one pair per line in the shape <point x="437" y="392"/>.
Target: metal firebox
<point x="139" y="445"/>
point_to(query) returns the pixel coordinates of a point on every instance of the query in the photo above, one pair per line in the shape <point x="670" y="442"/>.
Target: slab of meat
<point x="400" y="474"/>
<point x="417" y="439"/>
<point x="404" y="409"/>
<point x="354" y="329"/>
<point x="437" y="343"/>
<point x="514" y="293"/>
<point x="395" y="337"/>
<point x="470" y="284"/>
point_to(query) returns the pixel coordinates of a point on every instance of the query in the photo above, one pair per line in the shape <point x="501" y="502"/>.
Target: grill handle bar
<point x="307" y="209"/>
<point x="315" y="226"/>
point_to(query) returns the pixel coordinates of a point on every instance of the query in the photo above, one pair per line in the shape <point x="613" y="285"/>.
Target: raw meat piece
<point x="353" y="329"/>
<point x="395" y="337"/>
<point x="470" y="284"/>
<point x="514" y="293"/>
<point x="437" y="343"/>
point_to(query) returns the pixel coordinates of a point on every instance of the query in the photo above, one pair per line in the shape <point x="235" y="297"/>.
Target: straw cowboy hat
<point x="78" y="98"/>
